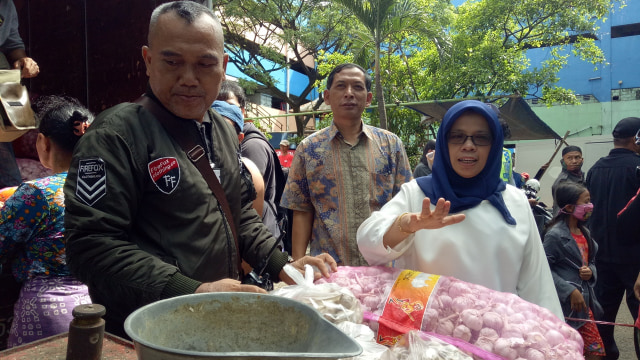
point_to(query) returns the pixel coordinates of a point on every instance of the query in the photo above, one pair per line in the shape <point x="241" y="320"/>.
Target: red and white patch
<point x="165" y="173"/>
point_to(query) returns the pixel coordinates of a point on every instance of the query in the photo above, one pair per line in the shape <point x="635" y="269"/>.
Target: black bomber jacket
<point x="141" y="222"/>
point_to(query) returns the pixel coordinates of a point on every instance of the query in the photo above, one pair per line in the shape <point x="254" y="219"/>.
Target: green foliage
<point x="406" y="123"/>
<point x="383" y="21"/>
<point x="490" y="39"/>
<point x="425" y="49"/>
<point x="256" y="30"/>
<point x="326" y="62"/>
<point x="558" y="95"/>
<point x="480" y="49"/>
<point x="249" y="87"/>
<point x="587" y="50"/>
<point x="325" y="121"/>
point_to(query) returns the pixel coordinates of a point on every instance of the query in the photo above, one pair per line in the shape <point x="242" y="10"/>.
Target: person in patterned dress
<point x="32" y="227"/>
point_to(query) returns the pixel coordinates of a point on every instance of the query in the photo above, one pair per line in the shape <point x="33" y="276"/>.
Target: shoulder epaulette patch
<point x="92" y="180"/>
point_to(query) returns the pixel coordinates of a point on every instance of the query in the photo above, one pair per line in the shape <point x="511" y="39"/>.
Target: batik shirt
<point x="342" y="184"/>
<point x="32" y="227"/>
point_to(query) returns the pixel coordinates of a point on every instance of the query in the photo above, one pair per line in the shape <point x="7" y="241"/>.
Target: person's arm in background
<point x="19" y="60"/>
<point x="301" y="233"/>
<point x="258" y="184"/>
<point x="13" y="46"/>
<point x="541" y="171"/>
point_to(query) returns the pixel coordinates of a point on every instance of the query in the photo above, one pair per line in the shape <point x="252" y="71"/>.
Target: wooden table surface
<point x="55" y="348"/>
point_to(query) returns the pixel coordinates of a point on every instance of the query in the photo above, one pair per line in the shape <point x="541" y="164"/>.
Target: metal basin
<point x="235" y="326"/>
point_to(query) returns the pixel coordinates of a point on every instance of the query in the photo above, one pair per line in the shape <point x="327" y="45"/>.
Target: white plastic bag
<point x="420" y="346"/>
<point x="335" y="303"/>
<point x="362" y="334"/>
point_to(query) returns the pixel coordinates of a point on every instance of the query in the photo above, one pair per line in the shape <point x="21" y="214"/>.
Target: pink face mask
<point x="583" y="211"/>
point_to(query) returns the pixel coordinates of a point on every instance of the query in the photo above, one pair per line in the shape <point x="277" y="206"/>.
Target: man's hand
<point x="228" y="285"/>
<point x="317" y="261"/>
<point x="28" y="67"/>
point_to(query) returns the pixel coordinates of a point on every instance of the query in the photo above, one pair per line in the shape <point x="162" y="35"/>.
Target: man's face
<point x="284" y="149"/>
<point x="573" y="160"/>
<point x="186" y="64"/>
<point x="348" y="95"/>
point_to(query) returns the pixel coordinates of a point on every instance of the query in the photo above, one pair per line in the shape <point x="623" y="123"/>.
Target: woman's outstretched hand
<point x="428" y="219"/>
<point x="408" y="223"/>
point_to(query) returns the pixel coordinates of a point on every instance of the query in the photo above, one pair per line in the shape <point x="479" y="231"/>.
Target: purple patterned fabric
<point x="45" y="307"/>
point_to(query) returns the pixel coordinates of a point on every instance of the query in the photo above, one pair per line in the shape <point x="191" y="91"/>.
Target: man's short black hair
<point x="231" y="87"/>
<point x="571" y="148"/>
<point x="187" y="10"/>
<point x="337" y="69"/>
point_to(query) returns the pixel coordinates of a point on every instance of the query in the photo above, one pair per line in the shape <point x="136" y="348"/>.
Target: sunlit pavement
<point x="624" y="335"/>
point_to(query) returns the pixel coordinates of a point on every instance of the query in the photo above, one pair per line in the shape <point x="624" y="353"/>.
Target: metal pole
<point x="286" y="79"/>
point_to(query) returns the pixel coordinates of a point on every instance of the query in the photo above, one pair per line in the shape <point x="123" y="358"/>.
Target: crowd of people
<point x="177" y="193"/>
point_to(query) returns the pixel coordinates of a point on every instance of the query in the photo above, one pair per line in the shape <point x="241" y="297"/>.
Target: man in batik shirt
<point x="342" y="173"/>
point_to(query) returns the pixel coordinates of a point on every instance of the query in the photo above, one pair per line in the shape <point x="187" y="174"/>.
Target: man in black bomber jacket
<point x="141" y="221"/>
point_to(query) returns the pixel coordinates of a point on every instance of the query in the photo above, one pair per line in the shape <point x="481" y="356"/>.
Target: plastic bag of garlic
<point x="396" y="301"/>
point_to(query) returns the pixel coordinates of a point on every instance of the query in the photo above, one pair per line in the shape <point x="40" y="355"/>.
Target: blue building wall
<point x="621" y="54"/>
<point x="297" y="84"/>
<point x="622" y="58"/>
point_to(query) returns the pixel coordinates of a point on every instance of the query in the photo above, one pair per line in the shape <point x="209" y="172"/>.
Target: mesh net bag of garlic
<point x="396" y="301"/>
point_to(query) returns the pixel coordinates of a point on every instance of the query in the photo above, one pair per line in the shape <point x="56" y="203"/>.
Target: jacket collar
<point x="569" y="243"/>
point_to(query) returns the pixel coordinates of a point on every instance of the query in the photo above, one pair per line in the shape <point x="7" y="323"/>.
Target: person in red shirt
<point x="284" y="155"/>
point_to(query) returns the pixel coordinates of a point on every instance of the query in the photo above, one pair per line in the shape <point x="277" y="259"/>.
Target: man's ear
<point x="147" y="57"/>
<point x="225" y="62"/>
<point x="326" y="97"/>
<point x="369" y="98"/>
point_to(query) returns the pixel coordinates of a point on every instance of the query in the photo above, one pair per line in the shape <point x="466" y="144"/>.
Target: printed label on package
<point x="405" y="306"/>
